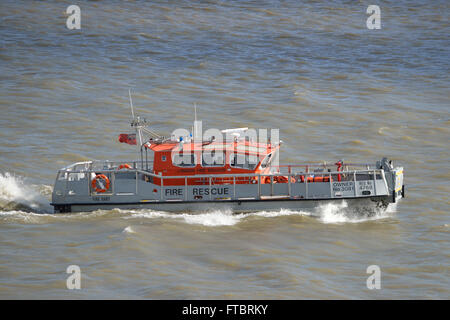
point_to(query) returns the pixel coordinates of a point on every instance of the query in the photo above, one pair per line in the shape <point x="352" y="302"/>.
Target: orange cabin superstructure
<point x="173" y="158"/>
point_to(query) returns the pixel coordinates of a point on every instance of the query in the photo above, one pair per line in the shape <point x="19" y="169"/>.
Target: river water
<point x="336" y="90"/>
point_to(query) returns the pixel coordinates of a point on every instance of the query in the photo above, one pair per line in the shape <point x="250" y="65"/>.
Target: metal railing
<point x="86" y="166"/>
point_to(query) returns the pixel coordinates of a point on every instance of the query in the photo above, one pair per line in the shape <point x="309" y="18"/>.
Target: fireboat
<point x="230" y="170"/>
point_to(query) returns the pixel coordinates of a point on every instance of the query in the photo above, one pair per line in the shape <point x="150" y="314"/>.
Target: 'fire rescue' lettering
<point x="214" y="191"/>
<point x="198" y="191"/>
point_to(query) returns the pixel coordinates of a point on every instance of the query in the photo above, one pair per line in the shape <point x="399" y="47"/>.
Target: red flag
<point x="127" y="138"/>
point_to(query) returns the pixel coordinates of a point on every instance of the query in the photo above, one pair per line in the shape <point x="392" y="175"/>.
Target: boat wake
<point x="16" y="195"/>
<point x="328" y="213"/>
<point x="342" y="213"/>
<point x="212" y="219"/>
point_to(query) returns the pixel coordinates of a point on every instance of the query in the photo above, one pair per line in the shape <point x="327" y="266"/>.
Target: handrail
<point x="258" y="174"/>
<point x="231" y="175"/>
<point x="322" y="164"/>
<point x="297" y="165"/>
<point x="350" y="176"/>
<point x="103" y="162"/>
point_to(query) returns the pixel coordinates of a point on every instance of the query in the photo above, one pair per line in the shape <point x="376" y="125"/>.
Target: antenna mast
<point x="197" y="130"/>
<point x="138" y="125"/>
<point x="131" y="103"/>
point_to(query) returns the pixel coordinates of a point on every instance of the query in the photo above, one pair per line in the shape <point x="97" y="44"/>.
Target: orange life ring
<point x="125" y="165"/>
<point x="94" y="183"/>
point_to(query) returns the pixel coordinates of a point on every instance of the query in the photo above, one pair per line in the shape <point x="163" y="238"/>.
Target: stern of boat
<point x="394" y="179"/>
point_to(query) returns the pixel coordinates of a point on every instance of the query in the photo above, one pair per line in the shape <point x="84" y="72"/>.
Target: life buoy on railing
<point x="124" y="166"/>
<point x="105" y="185"/>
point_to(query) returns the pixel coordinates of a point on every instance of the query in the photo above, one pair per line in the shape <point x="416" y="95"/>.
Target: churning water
<point x="334" y="88"/>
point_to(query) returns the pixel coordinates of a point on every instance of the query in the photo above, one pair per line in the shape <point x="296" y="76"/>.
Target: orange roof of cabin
<point x="239" y="146"/>
<point x="163" y="146"/>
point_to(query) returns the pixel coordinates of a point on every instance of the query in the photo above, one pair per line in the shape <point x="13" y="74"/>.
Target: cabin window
<point x="145" y="177"/>
<point x="62" y="175"/>
<point x="266" y="161"/>
<point x="76" y="176"/>
<point x="163" y="158"/>
<point x="275" y="159"/>
<point x="213" y="159"/>
<point x="244" y="161"/>
<point x="184" y="160"/>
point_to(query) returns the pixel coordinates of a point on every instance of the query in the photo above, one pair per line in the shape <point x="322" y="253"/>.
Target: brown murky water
<point x="334" y="88"/>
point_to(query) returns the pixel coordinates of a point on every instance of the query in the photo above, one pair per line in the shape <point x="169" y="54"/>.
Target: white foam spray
<point x="16" y="194"/>
<point x="128" y="229"/>
<point x="214" y="218"/>
<point x="342" y="213"/>
<point x="327" y="213"/>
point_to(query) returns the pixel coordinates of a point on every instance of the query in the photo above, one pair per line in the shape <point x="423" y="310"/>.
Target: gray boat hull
<point x="238" y="206"/>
